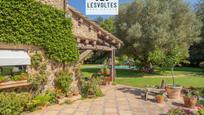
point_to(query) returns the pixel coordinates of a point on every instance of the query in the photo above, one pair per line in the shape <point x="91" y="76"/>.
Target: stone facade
<point x="49" y="67"/>
<point x="56" y="3"/>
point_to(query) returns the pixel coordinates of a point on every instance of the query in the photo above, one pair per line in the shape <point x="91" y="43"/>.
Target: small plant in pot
<point x="160" y="97"/>
<point x="105" y="71"/>
<point x="190" y="98"/>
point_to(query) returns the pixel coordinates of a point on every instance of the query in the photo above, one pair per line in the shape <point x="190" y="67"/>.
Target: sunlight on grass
<point x="185" y="76"/>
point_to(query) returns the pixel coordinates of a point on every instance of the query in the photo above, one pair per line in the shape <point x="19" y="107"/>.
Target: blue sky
<point x="80" y="5"/>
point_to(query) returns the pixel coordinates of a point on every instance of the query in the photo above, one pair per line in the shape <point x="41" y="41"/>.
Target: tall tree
<point x="197" y="50"/>
<point x="148" y="25"/>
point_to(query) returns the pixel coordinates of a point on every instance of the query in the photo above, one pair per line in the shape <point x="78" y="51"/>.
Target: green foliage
<point x="36" y="60"/>
<point x="179" y="111"/>
<point x="121" y="60"/>
<point x="63" y="81"/>
<point x="201" y="112"/>
<point x="22" y="76"/>
<point x="197" y="50"/>
<point x="6" y="70"/>
<point x="30" y="22"/>
<point x="91" y="88"/>
<point x="157" y="57"/>
<point x="43" y="99"/>
<point x="12" y="103"/>
<point x="108" y="25"/>
<point x="16" y="78"/>
<point x="2" y="79"/>
<point x="37" y="82"/>
<point x="201" y="102"/>
<point x="148" y="25"/>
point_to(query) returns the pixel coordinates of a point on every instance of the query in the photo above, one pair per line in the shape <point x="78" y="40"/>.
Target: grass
<point x="149" y="82"/>
<point x="185" y="76"/>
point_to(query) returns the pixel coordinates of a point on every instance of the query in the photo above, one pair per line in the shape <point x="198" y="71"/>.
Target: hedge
<point x="30" y="22"/>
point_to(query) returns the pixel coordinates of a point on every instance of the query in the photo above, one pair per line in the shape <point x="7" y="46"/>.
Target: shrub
<point x="63" y="81"/>
<point x="91" y="88"/>
<point x="42" y="99"/>
<point x="179" y="111"/>
<point x="33" y="23"/>
<point x="201" y="112"/>
<point x="22" y="76"/>
<point x="13" y="103"/>
<point x="37" y="82"/>
<point x="2" y="79"/>
<point x="201" y="102"/>
<point x="201" y="64"/>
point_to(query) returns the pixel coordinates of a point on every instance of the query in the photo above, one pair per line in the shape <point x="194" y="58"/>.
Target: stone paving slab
<point x="118" y="100"/>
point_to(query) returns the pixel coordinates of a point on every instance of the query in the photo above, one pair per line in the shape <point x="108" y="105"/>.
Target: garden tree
<point x="197" y="50"/>
<point x="169" y="59"/>
<point x="148" y="25"/>
<point x="108" y="24"/>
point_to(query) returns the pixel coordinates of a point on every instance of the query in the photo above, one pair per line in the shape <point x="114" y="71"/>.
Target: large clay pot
<point x="190" y="101"/>
<point x="173" y="92"/>
<point x="160" y="98"/>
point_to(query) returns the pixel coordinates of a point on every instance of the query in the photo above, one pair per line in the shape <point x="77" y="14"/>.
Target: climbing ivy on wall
<point x="30" y="22"/>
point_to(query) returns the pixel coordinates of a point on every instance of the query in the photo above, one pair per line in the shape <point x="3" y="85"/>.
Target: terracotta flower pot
<point x="190" y="101"/>
<point x="159" y="98"/>
<point x="173" y="92"/>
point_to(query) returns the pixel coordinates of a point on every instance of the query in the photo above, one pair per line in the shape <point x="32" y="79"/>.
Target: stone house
<point x="89" y="35"/>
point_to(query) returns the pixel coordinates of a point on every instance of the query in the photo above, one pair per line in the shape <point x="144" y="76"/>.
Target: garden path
<point x="118" y="100"/>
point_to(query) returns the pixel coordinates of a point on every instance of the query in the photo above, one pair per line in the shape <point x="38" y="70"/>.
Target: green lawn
<point x="185" y="76"/>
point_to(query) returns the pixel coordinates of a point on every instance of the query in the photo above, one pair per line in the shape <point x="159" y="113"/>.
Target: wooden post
<point x="64" y="7"/>
<point x="113" y="72"/>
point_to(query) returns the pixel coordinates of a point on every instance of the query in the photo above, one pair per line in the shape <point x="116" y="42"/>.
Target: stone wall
<point x="49" y="67"/>
<point x="56" y="3"/>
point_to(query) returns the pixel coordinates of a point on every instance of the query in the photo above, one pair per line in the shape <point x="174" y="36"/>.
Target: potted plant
<point x="106" y="71"/>
<point x="169" y="59"/>
<point x="190" y="99"/>
<point x="173" y="58"/>
<point x="160" y="98"/>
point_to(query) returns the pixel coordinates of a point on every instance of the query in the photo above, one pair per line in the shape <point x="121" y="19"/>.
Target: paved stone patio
<point x="118" y="100"/>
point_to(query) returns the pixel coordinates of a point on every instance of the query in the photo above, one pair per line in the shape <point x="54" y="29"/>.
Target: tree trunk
<point x="148" y="67"/>
<point x="172" y="74"/>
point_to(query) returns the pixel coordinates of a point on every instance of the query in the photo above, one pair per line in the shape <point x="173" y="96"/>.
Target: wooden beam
<point x="100" y="41"/>
<point x="90" y="28"/>
<point x="107" y="44"/>
<point x="97" y="47"/>
<point x="113" y="41"/>
<point x="99" y="33"/>
<point x="107" y="37"/>
<point x="94" y="43"/>
<point x="83" y="55"/>
<point x="86" y="42"/>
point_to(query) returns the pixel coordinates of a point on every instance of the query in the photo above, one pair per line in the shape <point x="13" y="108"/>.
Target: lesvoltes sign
<point x="102" y="7"/>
